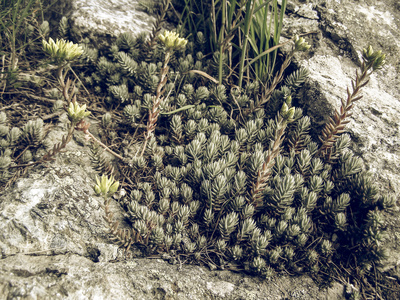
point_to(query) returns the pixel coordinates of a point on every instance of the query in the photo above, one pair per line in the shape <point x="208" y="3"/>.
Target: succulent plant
<point x="224" y="175"/>
<point x="228" y="182"/>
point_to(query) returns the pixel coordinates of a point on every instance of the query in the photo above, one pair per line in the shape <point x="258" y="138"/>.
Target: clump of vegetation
<point x="218" y="162"/>
<point x="226" y="185"/>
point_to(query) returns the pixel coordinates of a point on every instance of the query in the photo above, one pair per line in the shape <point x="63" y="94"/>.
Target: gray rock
<point x="342" y="30"/>
<point x="72" y="276"/>
<point x="108" y="18"/>
<point x="103" y="20"/>
<point x="53" y="239"/>
<point x="53" y="210"/>
<point x="54" y="245"/>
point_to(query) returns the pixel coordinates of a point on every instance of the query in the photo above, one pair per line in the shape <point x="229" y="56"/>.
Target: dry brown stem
<point x="158" y="99"/>
<point x="92" y="137"/>
<point x="266" y="169"/>
<point x="123" y="237"/>
<point x="337" y="124"/>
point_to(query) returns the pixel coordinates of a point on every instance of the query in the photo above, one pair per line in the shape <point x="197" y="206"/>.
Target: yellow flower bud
<point x="284" y="109"/>
<point x="379" y="61"/>
<point x="172" y="41"/>
<point x="375" y="58"/>
<point x="289" y="100"/>
<point x="114" y="187"/>
<point x="290" y="114"/>
<point x="62" y="50"/>
<point x="106" y="186"/>
<point x="287" y="113"/>
<point x="97" y="190"/>
<point x="300" y="44"/>
<point x="76" y="112"/>
<point x="368" y="52"/>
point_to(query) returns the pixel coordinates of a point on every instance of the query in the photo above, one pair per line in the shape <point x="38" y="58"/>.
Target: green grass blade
<point x="250" y="5"/>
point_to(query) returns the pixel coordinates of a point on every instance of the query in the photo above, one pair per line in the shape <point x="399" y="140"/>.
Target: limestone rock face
<point x="103" y="20"/>
<point x="342" y="29"/>
<point x="72" y="276"/>
<point x="54" y="245"/>
<point x="53" y="239"/>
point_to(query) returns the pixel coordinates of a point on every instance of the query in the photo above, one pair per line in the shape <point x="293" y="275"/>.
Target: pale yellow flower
<point x="106" y="186"/>
<point x="61" y="50"/>
<point x="77" y="112"/>
<point x="172" y="41"/>
<point x="300" y="44"/>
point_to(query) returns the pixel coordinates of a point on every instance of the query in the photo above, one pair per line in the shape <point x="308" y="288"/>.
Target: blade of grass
<point x="221" y="42"/>
<point x="265" y="33"/>
<point x="248" y="18"/>
<point x="265" y="53"/>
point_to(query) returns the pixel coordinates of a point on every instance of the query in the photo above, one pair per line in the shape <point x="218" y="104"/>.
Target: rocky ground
<point x="53" y="239"/>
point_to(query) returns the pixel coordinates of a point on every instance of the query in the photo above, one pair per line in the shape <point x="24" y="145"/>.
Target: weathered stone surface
<point x="52" y="209"/>
<point x="336" y="53"/>
<point x="53" y="240"/>
<point x="109" y="17"/>
<point x="343" y="28"/>
<point x="54" y="245"/>
<point x="75" y="277"/>
<point x="103" y="20"/>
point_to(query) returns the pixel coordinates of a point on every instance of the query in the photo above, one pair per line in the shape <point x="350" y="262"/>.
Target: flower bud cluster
<point x="61" y="50"/>
<point x="76" y="112"/>
<point x="172" y="41"/>
<point x="106" y="185"/>
<point x="300" y="44"/>
<point x="375" y="58"/>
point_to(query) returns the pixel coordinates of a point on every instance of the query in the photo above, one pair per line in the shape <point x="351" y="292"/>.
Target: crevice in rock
<point x="330" y="33"/>
<point x="93" y="254"/>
